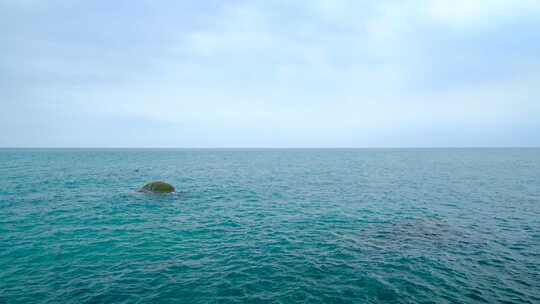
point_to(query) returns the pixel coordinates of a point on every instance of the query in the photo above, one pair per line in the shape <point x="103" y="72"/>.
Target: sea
<point x="270" y="226"/>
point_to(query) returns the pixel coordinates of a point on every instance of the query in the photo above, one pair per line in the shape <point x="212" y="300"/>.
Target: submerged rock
<point x="157" y="187"/>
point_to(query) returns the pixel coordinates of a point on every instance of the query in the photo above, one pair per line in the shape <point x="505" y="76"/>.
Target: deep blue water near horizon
<point x="270" y="226"/>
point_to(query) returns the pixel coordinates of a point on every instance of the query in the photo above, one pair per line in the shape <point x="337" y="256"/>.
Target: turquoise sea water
<point x="270" y="226"/>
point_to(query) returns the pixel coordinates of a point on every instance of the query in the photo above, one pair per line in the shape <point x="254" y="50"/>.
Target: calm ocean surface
<point x="270" y="226"/>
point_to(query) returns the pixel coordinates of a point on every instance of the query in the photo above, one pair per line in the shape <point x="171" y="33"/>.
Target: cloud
<point x="468" y="13"/>
<point x="279" y="73"/>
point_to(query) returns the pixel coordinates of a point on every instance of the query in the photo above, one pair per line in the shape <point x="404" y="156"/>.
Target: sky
<point x="270" y="73"/>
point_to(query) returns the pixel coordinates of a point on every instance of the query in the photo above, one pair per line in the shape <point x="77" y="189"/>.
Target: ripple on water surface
<point x="410" y="226"/>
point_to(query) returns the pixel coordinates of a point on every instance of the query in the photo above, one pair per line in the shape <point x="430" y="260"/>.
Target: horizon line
<point x="277" y="148"/>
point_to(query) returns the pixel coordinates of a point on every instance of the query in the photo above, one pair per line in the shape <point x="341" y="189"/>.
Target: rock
<point x="157" y="187"/>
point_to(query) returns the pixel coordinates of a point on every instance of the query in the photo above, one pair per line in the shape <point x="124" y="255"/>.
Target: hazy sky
<point x="310" y="73"/>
